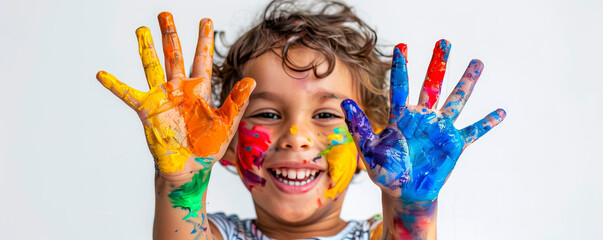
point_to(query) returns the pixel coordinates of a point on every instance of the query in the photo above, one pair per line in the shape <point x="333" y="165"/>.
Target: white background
<point x="74" y="163"/>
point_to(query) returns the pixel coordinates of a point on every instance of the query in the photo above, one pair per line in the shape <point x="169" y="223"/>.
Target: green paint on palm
<point x="189" y="196"/>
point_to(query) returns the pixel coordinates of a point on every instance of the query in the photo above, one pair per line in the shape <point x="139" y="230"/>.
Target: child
<point x="286" y="131"/>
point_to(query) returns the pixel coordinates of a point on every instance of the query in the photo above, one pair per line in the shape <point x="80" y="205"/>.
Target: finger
<point x="236" y="99"/>
<point x="474" y="131"/>
<point x="457" y="99"/>
<point x="150" y="61"/>
<point x="124" y="92"/>
<point x="202" y="64"/>
<point x="358" y="124"/>
<point x="399" y="81"/>
<point x="435" y="74"/>
<point x="174" y="64"/>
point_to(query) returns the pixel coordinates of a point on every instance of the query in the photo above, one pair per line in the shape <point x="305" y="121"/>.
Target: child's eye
<point x="267" y="115"/>
<point x="325" y="115"/>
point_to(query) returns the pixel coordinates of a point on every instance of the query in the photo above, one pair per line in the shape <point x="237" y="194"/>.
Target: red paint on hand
<point x="435" y="72"/>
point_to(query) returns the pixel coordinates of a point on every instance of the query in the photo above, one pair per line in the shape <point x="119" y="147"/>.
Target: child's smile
<point x="286" y="143"/>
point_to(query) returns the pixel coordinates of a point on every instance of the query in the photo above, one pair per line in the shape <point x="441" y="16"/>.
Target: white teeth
<point x="299" y="174"/>
<point x="278" y="171"/>
<point x="307" y="172"/>
<point x="292" y="174"/>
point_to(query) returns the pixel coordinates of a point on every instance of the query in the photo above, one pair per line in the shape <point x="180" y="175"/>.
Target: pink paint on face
<point x="251" y="152"/>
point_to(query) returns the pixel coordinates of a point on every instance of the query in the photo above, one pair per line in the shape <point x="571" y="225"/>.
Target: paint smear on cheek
<point x="253" y="144"/>
<point x="342" y="158"/>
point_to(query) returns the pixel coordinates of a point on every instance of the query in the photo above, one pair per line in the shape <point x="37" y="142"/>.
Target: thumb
<point x="233" y="104"/>
<point x="357" y="122"/>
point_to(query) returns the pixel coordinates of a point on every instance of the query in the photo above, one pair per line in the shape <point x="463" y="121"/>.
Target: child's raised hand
<point x="177" y="115"/>
<point x="414" y="155"/>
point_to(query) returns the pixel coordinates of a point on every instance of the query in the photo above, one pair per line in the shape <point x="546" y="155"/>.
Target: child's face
<point x="294" y="126"/>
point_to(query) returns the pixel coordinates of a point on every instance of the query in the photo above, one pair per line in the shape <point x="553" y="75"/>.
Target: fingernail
<point x="206" y="25"/>
<point x="143" y="34"/>
<point x="475" y="68"/>
<point x="501" y="114"/>
<point x="166" y="22"/>
<point x="400" y="51"/>
<point x="242" y="90"/>
<point x="443" y="46"/>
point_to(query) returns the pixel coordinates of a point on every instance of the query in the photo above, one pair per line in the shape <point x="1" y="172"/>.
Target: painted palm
<point x="414" y="155"/>
<point x="177" y="116"/>
<point x="185" y="134"/>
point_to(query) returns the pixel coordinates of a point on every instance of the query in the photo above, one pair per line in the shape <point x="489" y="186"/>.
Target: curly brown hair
<point x="328" y="27"/>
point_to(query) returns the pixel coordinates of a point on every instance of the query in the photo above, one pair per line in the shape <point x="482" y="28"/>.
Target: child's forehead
<point x="320" y="95"/>
<point x="275" y="80"/>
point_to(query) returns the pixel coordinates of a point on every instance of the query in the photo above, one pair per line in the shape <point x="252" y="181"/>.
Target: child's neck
<point x="318" y="225"/>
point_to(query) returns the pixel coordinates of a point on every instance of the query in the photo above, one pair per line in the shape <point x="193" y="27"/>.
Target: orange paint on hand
<point x="208" y="128"/>
<point x="171" y="45"/>
<point x="178" y="121"/>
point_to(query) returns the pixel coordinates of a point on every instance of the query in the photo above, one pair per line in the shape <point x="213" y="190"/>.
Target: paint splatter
<point x="414" y="221"/>
<point x="342" y="157"/>
<point x="251" y="150"/>
<point x="435" y="74"/>
<point x="204" y="161"/>
<point x="177" y="120"/>
<point x="293" y="130"/>
<point x="189" y="196"/>
<point x="419" y="148"/>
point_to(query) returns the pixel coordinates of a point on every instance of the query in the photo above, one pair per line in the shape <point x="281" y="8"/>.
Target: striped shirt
<point x="232" y="228"/>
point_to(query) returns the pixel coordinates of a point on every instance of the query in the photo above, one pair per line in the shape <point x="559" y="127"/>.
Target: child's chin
<point x="297" y="215"/>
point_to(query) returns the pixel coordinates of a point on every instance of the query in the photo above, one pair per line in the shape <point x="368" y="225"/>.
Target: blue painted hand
<point x="414" y="155"/>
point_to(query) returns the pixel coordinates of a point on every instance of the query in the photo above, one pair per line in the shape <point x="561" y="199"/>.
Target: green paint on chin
<point x="189" y="196"/>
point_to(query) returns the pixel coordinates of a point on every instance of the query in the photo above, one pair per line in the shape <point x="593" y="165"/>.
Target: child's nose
<point x="295" y="140"/>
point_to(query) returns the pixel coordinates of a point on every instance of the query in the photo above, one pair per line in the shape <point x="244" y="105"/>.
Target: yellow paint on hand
<point x="178" y="122"/>
<point x="293" y="130"/>
<point x="150" y="61"/>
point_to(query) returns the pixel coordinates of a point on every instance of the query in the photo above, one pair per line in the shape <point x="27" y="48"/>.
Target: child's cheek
<point x="341" y="155"/>
<point x="251" y="149"/>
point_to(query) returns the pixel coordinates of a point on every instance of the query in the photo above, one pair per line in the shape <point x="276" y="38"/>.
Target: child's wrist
<point x="410" y="207"/>
<point x="410" y="219"/>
